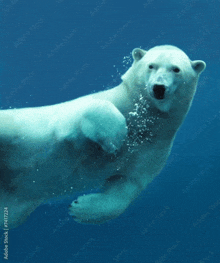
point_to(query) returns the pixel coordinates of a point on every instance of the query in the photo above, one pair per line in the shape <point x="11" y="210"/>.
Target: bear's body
<point x="117" y="140"/>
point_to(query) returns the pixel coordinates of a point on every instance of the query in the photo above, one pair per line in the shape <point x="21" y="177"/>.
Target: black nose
<point x="159" y="91"/>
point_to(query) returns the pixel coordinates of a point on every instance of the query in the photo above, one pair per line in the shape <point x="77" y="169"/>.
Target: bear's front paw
<point x="94" y="209"/>
<point x="104" y="124"/>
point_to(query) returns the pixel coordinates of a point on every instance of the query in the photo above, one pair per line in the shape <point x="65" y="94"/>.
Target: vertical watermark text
<point x="6" y="233"/>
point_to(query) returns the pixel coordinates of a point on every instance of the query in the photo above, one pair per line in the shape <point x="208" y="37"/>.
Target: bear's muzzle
<point x="159" y="91"/>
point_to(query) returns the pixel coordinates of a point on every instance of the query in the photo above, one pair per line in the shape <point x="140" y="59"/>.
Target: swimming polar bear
<point x="117" y="140"/>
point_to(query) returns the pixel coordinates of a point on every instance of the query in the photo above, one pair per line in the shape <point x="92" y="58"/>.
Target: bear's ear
<point x="198" y="66"/>
<point x="138" y="53"/>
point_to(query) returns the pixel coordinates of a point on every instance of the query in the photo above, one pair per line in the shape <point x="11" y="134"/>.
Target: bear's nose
<point x="159" y="91"/>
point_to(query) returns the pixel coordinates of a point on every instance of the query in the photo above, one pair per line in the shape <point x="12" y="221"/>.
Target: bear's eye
<point x="151" y="66"/>
<point x="176" y="70"/>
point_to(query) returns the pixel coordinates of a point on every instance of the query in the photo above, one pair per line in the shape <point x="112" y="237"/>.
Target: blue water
<point x="54" y="51"/>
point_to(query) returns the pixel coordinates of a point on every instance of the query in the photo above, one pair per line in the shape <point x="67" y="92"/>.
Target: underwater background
<point x="54" y="51"/>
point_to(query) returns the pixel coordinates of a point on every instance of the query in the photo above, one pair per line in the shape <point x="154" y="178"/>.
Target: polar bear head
<point x="165" y="75"/>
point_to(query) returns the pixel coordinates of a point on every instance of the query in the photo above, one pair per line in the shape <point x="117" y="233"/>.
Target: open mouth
<point x="159" y="91"/>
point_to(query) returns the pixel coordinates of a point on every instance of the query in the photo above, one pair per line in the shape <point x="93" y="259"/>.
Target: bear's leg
<point x="98" y="208"/>
<point x="104" y="124"/>
<point x="17" y="211"/>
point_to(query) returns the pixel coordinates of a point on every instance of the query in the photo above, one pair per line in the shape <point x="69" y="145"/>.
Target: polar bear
<point x="116" y="140"/>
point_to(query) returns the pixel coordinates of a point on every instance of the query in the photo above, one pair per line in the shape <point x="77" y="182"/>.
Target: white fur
<point x="117" y="140"/>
